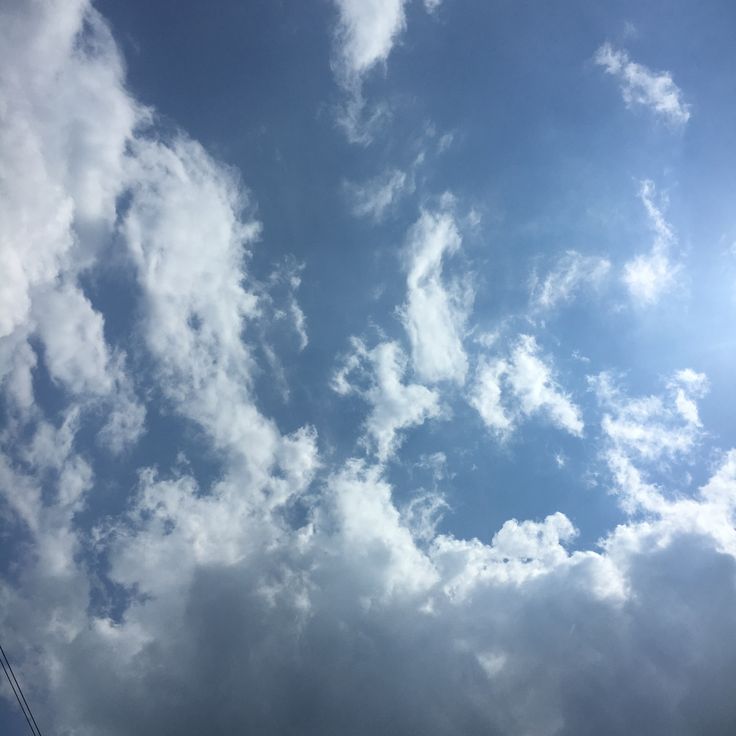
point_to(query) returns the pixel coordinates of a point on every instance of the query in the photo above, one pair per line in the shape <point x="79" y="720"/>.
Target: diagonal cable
<point x="16" y="688"/>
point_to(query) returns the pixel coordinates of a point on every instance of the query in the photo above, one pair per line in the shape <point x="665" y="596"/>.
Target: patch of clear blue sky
<point x="544" y="148"/>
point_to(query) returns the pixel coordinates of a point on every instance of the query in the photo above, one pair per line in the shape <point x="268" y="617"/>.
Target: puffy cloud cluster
<point x="348" y="624"/>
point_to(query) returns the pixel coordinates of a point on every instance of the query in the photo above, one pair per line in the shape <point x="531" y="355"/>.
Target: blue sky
<point x="367" y="366"/>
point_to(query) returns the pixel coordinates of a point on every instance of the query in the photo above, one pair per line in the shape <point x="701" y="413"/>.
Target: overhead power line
<point x="18" y="692"/>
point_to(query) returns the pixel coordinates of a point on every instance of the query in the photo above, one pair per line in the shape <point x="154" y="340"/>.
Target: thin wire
<point x="12" y="687"/>
<point x="37" y="730"/>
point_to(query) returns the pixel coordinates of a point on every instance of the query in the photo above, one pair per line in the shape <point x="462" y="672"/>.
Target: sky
<point x="367" y="366"/>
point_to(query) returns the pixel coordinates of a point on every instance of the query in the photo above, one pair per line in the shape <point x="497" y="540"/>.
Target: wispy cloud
<point x="642" y="86"/>
<point x="649" y="276"/>
<point x="571" y="273"/>
<point x="376" y="197"/>
<point x="435" y="311"/>
<point x="366" y="33"/>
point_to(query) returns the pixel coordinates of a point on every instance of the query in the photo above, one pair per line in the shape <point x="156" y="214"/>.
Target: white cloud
<point x="435" y="311"/>
<point x="64" y="128"/>
<point x="196" y="304"/>
<point x="651" y="427"/>
<point x="571" y="273"/>
<point x="17" y="363"/>
<point x="395" y="405"/>
<point x="365" y="34"/>
<point x="534" y="386"/>
<point x="486" y="396"/>
<point x="648" y="432"/>
<point x="520" y="386"/>
<point x="641" y="86"/>
<point x="66" y="124"/>
<point x="72" y="332"/>
<point x="287" y="279"/>
<point x="379" y="195"/>
<point x="650" y="275"/>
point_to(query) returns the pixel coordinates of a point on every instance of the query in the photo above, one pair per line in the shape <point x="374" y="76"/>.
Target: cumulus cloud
<point x="351" y="625"/>
<point x="196" y="303"/>
<point x="650" y="275"/>
<point x="571" y="273"/>
<point x="507" y="390"/>
<point x="435" y="311"/>
<point x="65" y="127"/>
<point x="642" y="86"/>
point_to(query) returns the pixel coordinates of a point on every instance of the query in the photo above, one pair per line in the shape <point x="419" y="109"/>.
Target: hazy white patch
<point x="486" y="339"/>
<point x="436" y="463"/>
<point x="280" y="298"/>
<point x="650" y="275"/>
<point x="359" y="121"/>
<point x="445" y="142"/>
<point x="642" y="86"/>
<point x="379" y="195"/>
<point x="423" y="514"/>
<point x="572" y="273"/>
